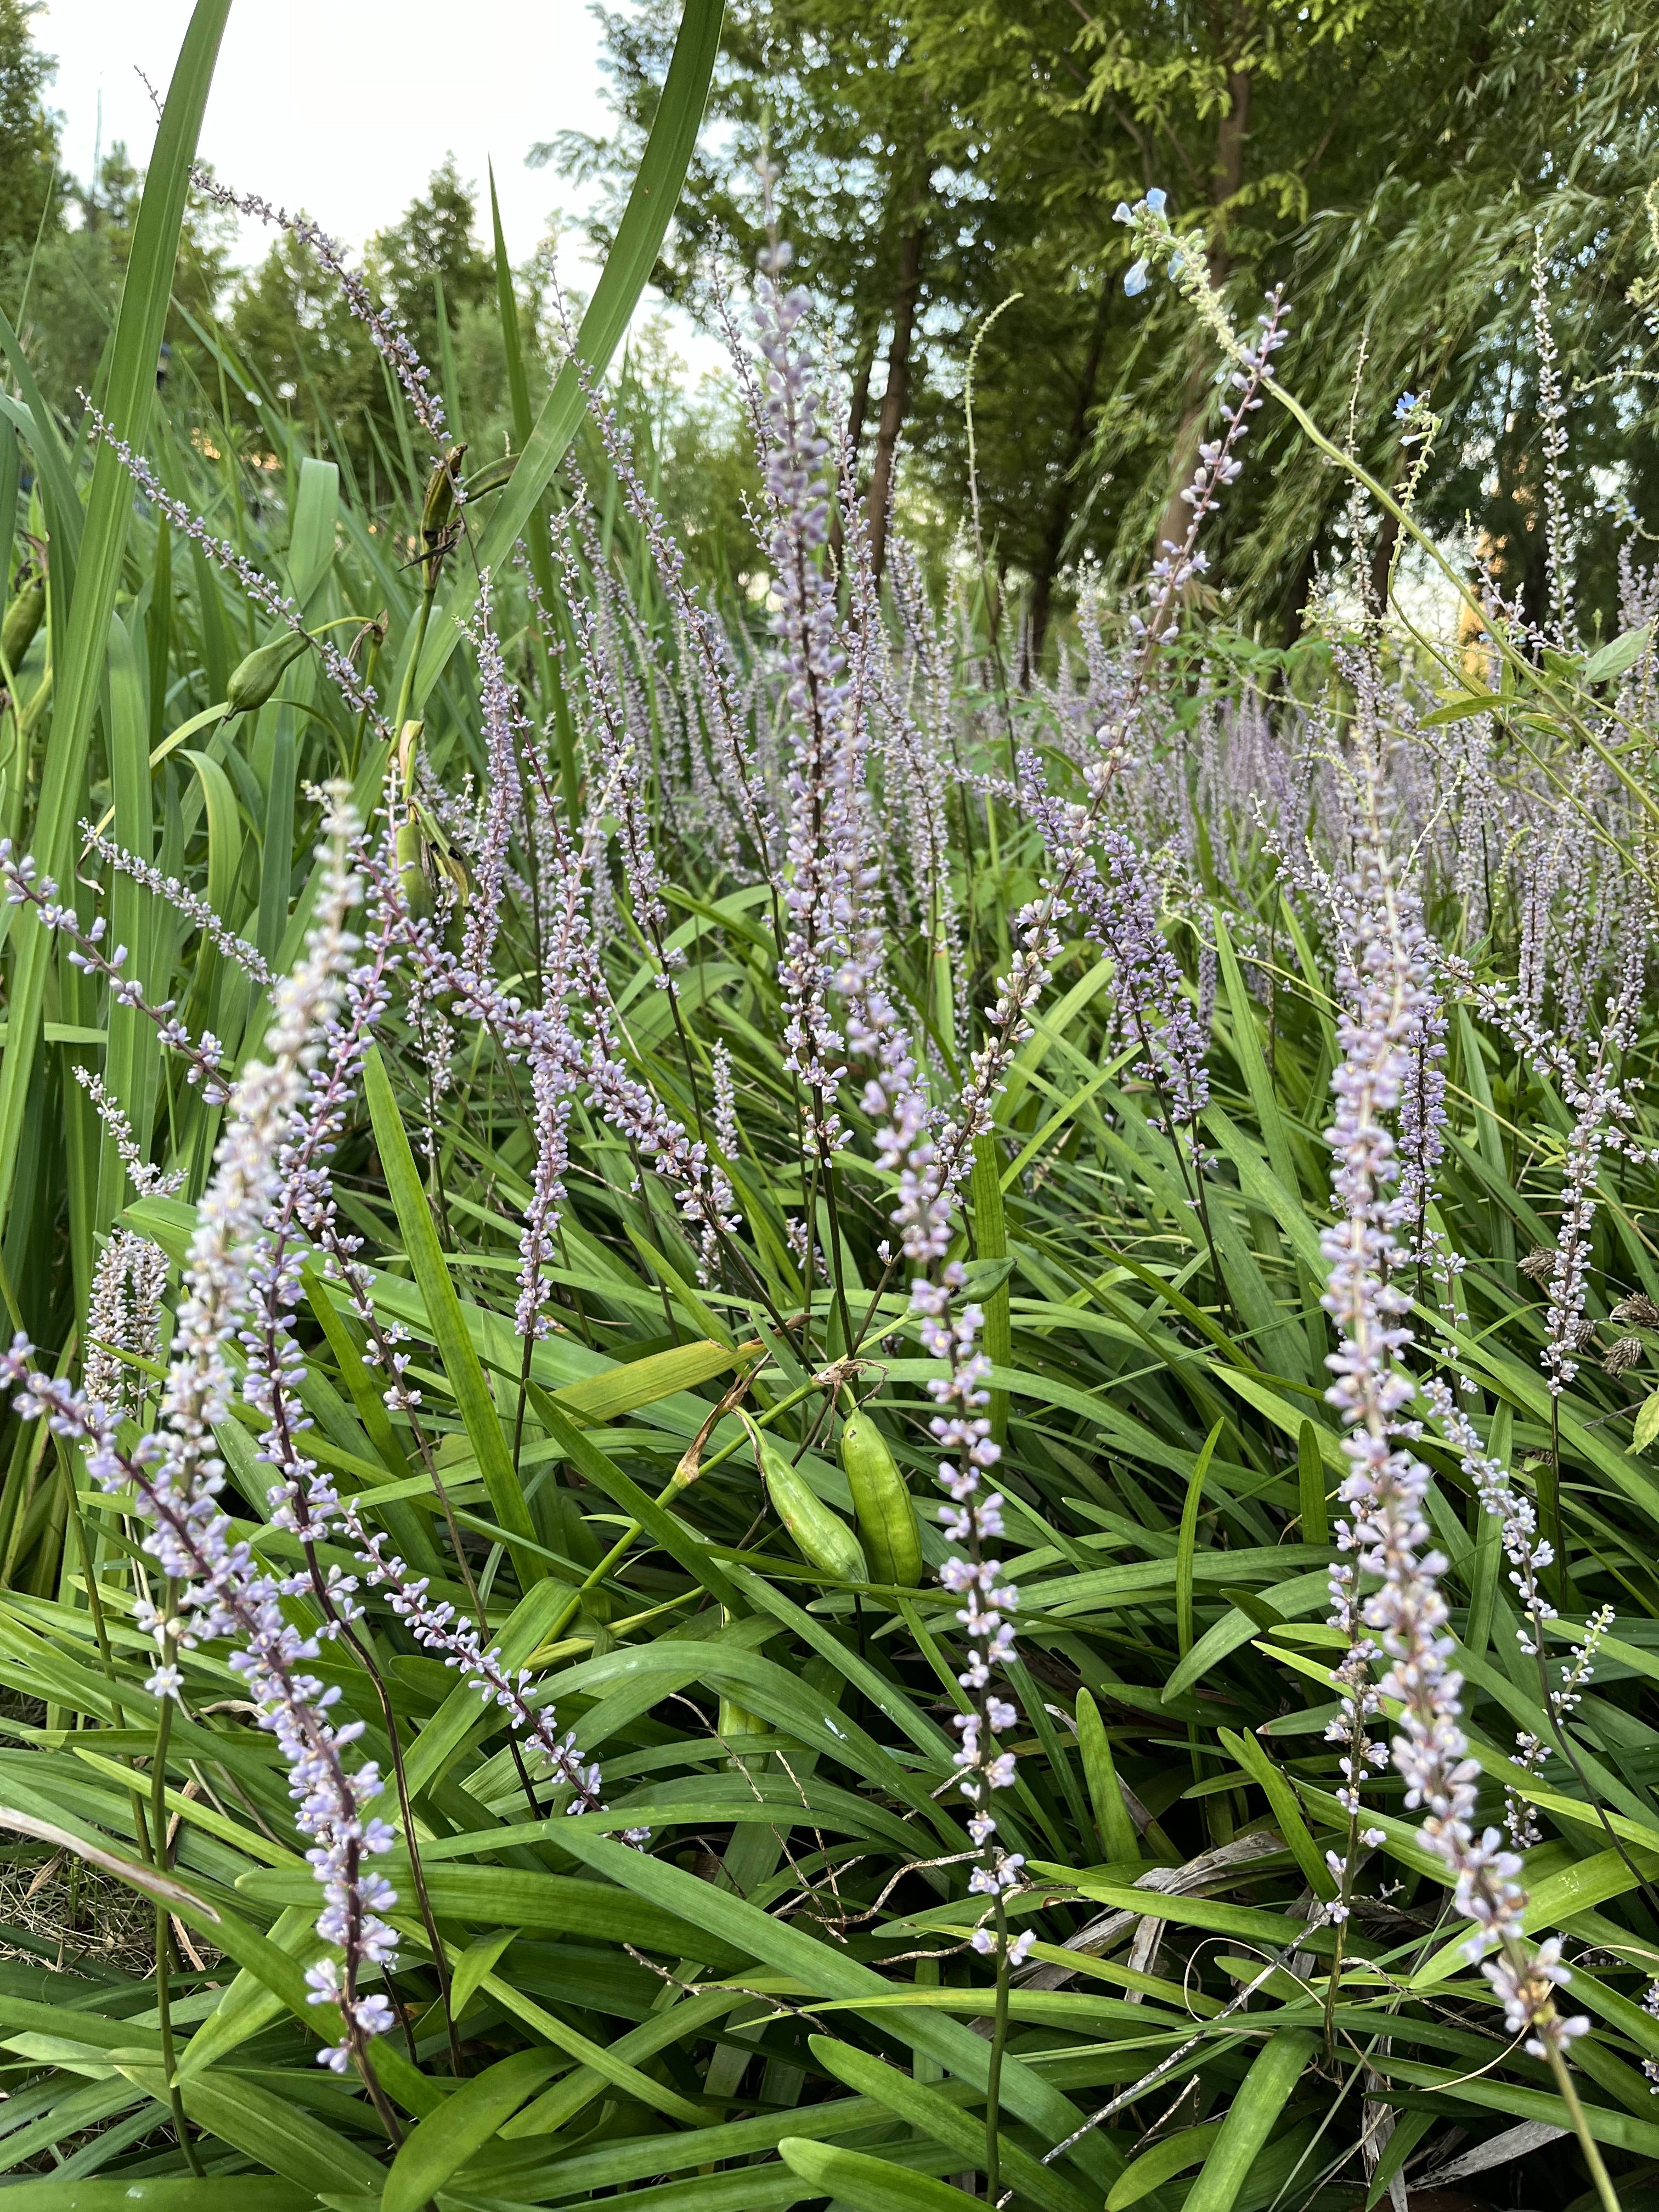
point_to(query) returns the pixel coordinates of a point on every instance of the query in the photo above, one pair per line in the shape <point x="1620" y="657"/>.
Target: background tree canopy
<point x="1395" y="165"/>
<point x="1407" y="172"/>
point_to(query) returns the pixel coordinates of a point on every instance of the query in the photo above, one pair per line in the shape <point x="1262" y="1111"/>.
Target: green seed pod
<point x="412" y="877"/>
<point x="738" y="1720"/>
<point x="253" y="680"/>
<point x="822" y="1538"/>
<point x="887" y="1521"/>
<point x="413" y="873"/>
<point x="438" y="514"/>
<point x="23" y="618"/>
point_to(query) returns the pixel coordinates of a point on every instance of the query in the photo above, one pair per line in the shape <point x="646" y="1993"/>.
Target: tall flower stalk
<point x="214" y="1586"/>
<point x="823" y="858"/>
<point x="1386" y="1530"/>
<point x="972" y="1521"/>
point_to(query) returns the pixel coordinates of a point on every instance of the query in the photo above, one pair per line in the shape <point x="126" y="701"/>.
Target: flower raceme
<point x="441" y="1628"/>
<point x="386" y="334"/>
<point x="971" y="1520"/>
<point x="1383" y="980"/>
<point x="125" y="1315"/>
<point x="175" y="1472"/>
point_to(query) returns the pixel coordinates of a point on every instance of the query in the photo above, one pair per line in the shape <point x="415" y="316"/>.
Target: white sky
<point x="343" y="107"/>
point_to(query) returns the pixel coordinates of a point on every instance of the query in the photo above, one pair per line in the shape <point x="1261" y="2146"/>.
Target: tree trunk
<point x="1232" y="137"/>
<point x="859" y="405"/>
<point x="1060" y="514"/>
<point x="894" y="400"/>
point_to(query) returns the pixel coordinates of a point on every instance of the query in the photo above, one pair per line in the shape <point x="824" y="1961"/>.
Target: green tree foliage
<point x="67" y="286"/>
<point x="830" y="94"/>
<point x="1393" y="164"/>
<point x="28" y="133"/>
<point x="432" y="249"/>
<point x="64" y="251"/>
<point x="289" y="319"/>
<point x="1398" y="167"/>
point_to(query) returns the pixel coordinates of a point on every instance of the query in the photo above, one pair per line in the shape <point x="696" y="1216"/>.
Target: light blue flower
<point x="1135" y="281"/>
<point x="1404" y="404"/>
<point x="1155" y="200"/>
<point x="1123" y="212"/>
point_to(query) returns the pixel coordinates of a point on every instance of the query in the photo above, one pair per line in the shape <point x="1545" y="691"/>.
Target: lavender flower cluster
<point x="971" y="1520"/>
<point x="268" y="1207"/>
<point x="175" y="1474"/>
<point x="204" y="1056"/>
<point x="387" y="334"/>
<point x="124" y="1319"/>
<point x="1381" y="982"/>
<point x="820" y="761"/>
<point x="437" y="1624"/>
<point x="826" y="876"/>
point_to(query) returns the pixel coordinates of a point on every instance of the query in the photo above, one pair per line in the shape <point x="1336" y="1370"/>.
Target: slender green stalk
<point x="1606" y="2193"/>
<point x="100" y="1630"/>
<point x="993" y="2068"/>
<point x="406" y="693"/>
<point x="163" y="1860"/>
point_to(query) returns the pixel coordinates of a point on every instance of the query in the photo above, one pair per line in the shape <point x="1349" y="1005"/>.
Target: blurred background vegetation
<point x="1399" y="166"/>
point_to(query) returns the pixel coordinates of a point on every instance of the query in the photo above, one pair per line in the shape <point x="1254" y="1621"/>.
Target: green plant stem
<point x="1549" y="1497"/>
<point x="1564" y="2081"/>
<point x="993" y="2070"/>
<point x="1333" y="1979"/>
<point x="618" y="1552"/>
<point x="762" y="1421"/>
<point x="837" y="1272"/>
<point x="100" y="1632"/>
<point x="158" y="1813"/>
<point x="377" y="2096"/>
<point x="406" y="693"/>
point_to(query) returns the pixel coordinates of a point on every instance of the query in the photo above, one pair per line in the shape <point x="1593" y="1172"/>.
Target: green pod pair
<point x="255" y="677"/>
<point x="886" y="1518"/>
<point x="822" y="1538"/>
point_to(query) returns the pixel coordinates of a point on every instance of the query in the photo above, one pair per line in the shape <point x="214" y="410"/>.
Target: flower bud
<point x="437" y="513"/>
<point x="23" y="618"/>
<point x="255" y="679"/>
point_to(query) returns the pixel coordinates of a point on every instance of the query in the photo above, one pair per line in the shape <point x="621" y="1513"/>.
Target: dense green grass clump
<point x="584" y="1115"/>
